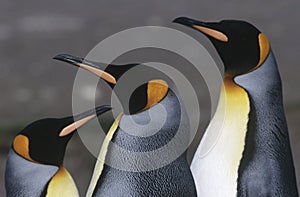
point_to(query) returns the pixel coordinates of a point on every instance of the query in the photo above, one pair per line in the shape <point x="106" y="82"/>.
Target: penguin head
<point x="44" y="141"/>
<point x="142" y="98"/>
<point x="241" y="46"/>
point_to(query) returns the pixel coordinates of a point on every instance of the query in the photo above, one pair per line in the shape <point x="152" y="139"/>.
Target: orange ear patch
<point x="212" y="32"/>
<point x="264" y="49"/>
<point x="21" y="146"/>
<point x="264" y="46"/>
<point x="156" y="91"/>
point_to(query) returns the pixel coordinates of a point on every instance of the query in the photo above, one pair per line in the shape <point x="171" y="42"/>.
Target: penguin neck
<point x="227" y="129"/>
<point x="62" y="184"/>
<point x="233" y="93"/>
<point x="235" y="102"/>
<point x="267" y="112"/>
<point x="264" y="83"/>
<point x="152" y="128"/>
<point x="22" y="174"/>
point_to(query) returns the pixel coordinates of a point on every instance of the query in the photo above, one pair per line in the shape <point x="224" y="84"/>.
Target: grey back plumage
<point x="267" y="167"/>
<point x="25" y="178"/>
<point x="144" y="175"/>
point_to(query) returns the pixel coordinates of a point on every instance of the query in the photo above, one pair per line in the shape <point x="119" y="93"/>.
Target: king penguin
<point x="135" y="175"/>
<point x="245" y="150"/>
<point x="34" y="164"/>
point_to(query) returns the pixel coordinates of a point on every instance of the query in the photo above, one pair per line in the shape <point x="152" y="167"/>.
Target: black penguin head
<point x="44" y="141"/>
<point x="142" y="98"/>
<point x="241" y="46"/>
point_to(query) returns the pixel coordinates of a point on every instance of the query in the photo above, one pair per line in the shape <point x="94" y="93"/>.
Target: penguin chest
<point x="216" y="162"/>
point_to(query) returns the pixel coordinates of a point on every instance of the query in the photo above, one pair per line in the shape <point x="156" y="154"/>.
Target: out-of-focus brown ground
<point x="34" y="86"/>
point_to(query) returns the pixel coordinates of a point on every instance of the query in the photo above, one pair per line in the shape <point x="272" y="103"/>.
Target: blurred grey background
<point x="34" y="86"/>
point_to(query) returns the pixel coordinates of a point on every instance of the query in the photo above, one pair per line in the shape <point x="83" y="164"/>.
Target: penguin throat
<point x="237" y="108"/>
<point x="62" y="184"/>
<point x="231" y="142"/>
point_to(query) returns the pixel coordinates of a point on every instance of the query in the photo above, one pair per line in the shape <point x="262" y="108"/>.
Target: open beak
<point x="83" y="118"/>
<point x="82" y="63"/>
<point x="206" y="28"/>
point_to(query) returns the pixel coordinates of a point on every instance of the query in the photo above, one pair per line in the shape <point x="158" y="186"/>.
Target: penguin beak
<point x="205" y="28"/>
<point x="82" y="63"/>
<point x="81" y="119"/>
<point x="188" y="21"/>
